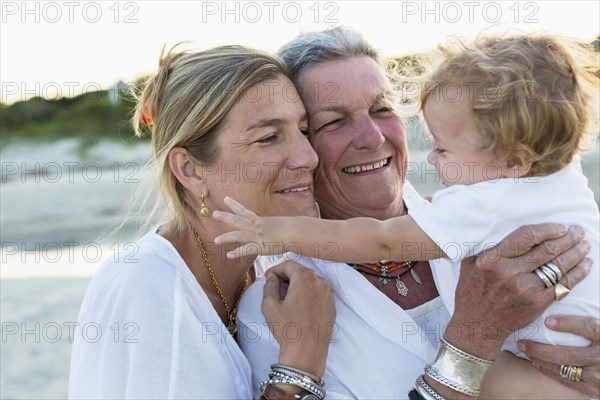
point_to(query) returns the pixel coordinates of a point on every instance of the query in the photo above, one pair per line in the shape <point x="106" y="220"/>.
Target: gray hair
<point x="314" y="48"/>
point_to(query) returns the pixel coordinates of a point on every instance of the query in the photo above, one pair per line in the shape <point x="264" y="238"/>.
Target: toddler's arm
<point x="352" y="240"/>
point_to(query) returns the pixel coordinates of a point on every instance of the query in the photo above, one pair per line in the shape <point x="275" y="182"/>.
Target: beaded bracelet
<point x="314" y="378"/>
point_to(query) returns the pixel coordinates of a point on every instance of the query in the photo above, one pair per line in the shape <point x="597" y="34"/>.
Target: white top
<point x="377" y="350"/>
<point x="147" y="330"/>
<point x="464" y="220"/>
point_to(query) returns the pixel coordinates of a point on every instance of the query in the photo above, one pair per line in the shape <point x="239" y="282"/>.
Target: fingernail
<point x="586" y="245"/>
<point x="563" y="229"/>
<point x="551" y="322"/>
<point x="579" y="231"/>
<point x="522" y="347"/>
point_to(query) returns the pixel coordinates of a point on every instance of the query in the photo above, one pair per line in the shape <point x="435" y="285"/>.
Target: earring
<point x="204" y="211"/>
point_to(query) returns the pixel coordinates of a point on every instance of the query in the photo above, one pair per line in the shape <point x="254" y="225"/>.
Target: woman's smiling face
<point x="360" y="140"/>
<point x="265" y="161"/>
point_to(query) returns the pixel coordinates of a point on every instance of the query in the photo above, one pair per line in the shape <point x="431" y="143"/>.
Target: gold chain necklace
<point x="231" y="326"/>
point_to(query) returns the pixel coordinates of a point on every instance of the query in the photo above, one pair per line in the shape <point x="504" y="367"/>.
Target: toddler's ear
<point x="517" y="165"/>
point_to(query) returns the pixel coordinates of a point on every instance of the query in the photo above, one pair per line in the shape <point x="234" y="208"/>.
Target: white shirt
<point x="377" y="350"/>
<point x="465" y="220"/>
<point x="147" y="330"/>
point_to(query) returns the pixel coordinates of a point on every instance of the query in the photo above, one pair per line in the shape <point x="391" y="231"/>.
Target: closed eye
<point x="329" y="123"/>
<point x="267" y="139"/>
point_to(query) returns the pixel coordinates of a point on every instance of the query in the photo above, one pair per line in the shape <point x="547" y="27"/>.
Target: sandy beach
<point x="50" y="250"/>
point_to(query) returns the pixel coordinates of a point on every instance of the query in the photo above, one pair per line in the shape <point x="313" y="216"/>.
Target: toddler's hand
<point x="248" y="231"/>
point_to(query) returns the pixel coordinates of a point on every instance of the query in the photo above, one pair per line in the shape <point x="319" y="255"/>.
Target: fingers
<point x="576" y="274"/>
<point x="238" y="208"/>
<point x="286" y="270"/>
<point x="270" y="291"/>
<point x="236" y="237"/>
<point x="584" y="387"/>
<point x="561" y="355"/>
<point x="247" y="250"/>
<point x="523" y="239"/>
<point x="588" y="327"/>
<point x="566" y="251"/>
<point x="237" y="221"/>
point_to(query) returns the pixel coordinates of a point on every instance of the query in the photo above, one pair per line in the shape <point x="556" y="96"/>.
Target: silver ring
<point x="543" y="277"/>
<point x="550" y="274"/>
<point x="554" y="269"/>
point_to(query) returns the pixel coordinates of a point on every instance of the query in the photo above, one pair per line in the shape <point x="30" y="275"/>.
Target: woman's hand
<point x="498" y="293"/>
<point x="301" y="320"/>
<point x="549" y="358"/>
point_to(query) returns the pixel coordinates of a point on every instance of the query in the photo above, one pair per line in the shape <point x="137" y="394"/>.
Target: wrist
<point x="480" y="340"/>
<point x="311" y="362"/>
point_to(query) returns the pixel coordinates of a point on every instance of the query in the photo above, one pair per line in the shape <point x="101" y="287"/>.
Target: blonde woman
<point x="163" y="323"/>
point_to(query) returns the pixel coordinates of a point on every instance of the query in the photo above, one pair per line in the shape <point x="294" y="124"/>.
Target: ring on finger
<point x="571" y="372"/>
<point x="543" y="277"/>
<point x="550" y="274"/>
<point x="560" y="291"/>
<point x="554" y="269"/>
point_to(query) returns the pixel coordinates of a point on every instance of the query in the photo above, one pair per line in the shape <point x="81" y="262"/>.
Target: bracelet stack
<point x="426" y="391"/>
<point x="286" y="375"/>
<point x="456" y="369"/>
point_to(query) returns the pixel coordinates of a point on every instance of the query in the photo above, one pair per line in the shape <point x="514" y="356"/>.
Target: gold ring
<point x="571" y="372"/>
<point x="560" y="291"/>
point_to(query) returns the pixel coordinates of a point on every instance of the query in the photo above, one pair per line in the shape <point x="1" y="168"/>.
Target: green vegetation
<point x="91" y="116"/>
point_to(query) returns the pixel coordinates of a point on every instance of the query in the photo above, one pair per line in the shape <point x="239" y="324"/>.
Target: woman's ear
<point x="517" y="165"/>
<point x="186" y="170"/>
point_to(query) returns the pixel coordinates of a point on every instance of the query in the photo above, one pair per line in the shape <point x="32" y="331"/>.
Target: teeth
<point x="300" y="189"/>
<point x="366" y="167"/>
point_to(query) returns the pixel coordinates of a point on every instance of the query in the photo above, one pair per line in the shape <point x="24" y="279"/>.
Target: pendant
<point x="402" y="289"/>
<point x="385" y="278"/>
<point x="415" y="276"/>
<point x="232" y="329"/>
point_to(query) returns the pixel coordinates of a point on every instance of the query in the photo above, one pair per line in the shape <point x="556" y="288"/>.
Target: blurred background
<point x="70" y="162"/>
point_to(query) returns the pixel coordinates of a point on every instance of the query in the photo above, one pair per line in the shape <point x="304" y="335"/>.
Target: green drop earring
<point x="204" y="211"/>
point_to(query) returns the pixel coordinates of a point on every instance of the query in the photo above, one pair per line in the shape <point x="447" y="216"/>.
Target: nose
<point x="431" y="157"/>
<point x="369" y="135"/>
<point x="302" y="155"/>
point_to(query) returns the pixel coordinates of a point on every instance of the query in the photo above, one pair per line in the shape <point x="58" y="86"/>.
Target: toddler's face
<point x="457" y="152"/>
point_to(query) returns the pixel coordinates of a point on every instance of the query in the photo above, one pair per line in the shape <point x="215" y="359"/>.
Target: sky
<point x="65" y="48"/>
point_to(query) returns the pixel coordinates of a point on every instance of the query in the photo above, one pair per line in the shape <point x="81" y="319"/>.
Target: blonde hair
<point x="187" y="99"/>
<point x="533" y="93"/>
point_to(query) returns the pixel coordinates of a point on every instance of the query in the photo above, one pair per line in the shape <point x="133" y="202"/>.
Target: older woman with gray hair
<point x="386" y="334"/>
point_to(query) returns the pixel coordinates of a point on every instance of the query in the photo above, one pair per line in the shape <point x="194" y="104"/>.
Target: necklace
<point x="231" y="325"/>
<point x="383" y="269"/>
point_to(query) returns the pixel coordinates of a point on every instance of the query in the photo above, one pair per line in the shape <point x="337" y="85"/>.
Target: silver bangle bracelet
<point x="458" y="369"/>
<point x="302" y="377"/>
<point x="315" y="378"/>
<point x="477" y="360"/>
<point x="426" y="391"/>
